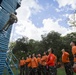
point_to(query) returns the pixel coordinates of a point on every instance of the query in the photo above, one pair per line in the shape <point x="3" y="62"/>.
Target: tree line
<point x="22" y="47"/>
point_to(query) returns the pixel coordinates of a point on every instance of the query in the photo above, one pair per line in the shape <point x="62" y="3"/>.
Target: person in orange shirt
<point x="22" y="66"/>
<point x="73" y="44"/>
<point x="43" y="63"/>
<point x="39" y="63"/>
<point x="66" y="62"/>
<point x="51" y="62"/>
<point x="39" y="58"/>
<point x="26" y="67"/>
<point x="34" y="65"/>
<point x="28" y="63"/>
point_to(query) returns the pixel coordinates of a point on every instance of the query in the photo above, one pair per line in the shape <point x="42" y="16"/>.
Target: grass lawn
<point x="60" y="71"/>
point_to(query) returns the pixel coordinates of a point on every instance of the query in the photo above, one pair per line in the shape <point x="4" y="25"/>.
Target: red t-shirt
<point x="51" y="60"/>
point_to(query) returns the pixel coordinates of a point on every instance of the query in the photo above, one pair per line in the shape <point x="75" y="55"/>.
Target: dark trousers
<point x="52" y="70"/>
<point x="26" y="70"/>
<point x="44" y="70"/>
<point x="34" y="71"/>
<point x="22" y="70"/>
<point x="47" y="68"/>
<point x="39" y="70"/>
<point x="29" y="70"/>
<point x="68" y="69"/>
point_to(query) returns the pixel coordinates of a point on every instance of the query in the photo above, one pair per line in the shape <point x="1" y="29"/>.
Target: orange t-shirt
<point x="55" y="59"/>
<point x="74" y="52"/>
<point x="44" y="60"/>
<point x="65" y="57"/>
<point x="34" y="63"/>
<point x="29" y="62"/>
<point x="22" y="62"/>
<point x="39" y="60"/>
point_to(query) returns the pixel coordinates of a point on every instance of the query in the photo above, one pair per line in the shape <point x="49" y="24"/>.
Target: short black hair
<point x="74" y="42"/>
<point x="52" y="51"/>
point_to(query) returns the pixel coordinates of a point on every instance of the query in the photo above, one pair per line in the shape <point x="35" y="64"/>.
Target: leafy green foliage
<point x="23" y="46"/>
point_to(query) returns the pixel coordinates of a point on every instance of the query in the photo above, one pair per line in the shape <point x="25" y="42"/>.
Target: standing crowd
<point x="47" y="64"/>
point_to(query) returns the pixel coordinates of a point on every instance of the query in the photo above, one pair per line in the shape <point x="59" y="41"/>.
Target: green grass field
<point x="60" y="71"/>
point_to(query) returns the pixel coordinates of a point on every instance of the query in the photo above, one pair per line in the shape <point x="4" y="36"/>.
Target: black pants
<point x="52" y="70"/>
<point x="44" y="70"/>
<point x="34" y="71"/>
<point x="39" y="70"/>
<point x="68" y="69"/>
<point x="29" y="70"/>
<point x="22" y="70"/>
<point x="47" y="68"/>
<point x="26" y="70"/>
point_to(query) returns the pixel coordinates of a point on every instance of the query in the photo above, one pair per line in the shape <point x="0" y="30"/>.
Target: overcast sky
<point x="37" y="17"/>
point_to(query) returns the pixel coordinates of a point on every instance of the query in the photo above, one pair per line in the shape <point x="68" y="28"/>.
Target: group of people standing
<point x="47" y="64"/>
